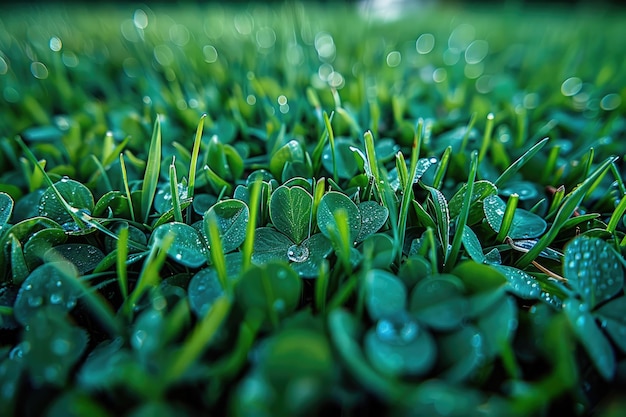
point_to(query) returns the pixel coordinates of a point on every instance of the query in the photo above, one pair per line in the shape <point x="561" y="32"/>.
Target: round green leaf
<point x="232" y="218"/>
<point x="438" y="302"/>
<point x="524" y="224"/>
<point x="498" y="325"/>
<point x="524" y="189"/>
<point x="50" y="285"/>
<point x="382" y="249"/>
<point x="73" y="192"/>
<point x="385" y="294"/>
<point x="593" y="269"/>
<point x="187" y="248"/>
<point x="591" y="337"/>
<point x="84" y="257"/>
<point x="51" y="346"/>
<point x="480" y="191"/>
<point x="520" y="283"/>
<point x="344" y="158"/>
<point x="205" y="287"/>
<point x="116" y="202"/>
<point x="307" y="257"/>
<point x="290" y="152"/>
<point x="297" y="354"/>
<point x="612" y="317"/>
<point x="269" y="244"/>
<point x="290" y="212"/>
<point x="461" y="353"/>
<point x="373" y="217"/>
<point x="398" y="346"/>
<point x="6" y="208"/>
<point x="273" y="289"/>
<point x="331" y="202"/>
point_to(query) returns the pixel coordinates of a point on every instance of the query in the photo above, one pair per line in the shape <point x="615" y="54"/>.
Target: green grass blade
<point x="198" y="340"/>
<point x="463" y="215"/>
<point x="191" y="186"/>
<point x="122" y="256"/>
<point x="248" y="244"/>
<point x="127" y="188"/>
<point x="570" y="204"/>
<point x="178" y="213"/>
<point x="151" y="175"/>
<point x="520" y="162"/>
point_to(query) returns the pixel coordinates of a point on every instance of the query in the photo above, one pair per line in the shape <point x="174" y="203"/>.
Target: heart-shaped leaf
<point x="232" y="219"/>
<point x="187" y="248"/>
<point x="290" y="212"/>
<point x="84" y="257"/>
<point x="385" y="294"/>
<point x="593" y="269"/>
<point x="6" y="208"/>
<point x="331" y="202"/>
<point x="398" y="346"/>
<point x="270" y="244"/>
<point x="50" y="285"/>
<point x="307" y="257"/>
<point x="373" y="217"/>
<point x="73" y="192"/>
<point x="524" y="224"/>
<point x="612" y="317"/>
<point x="590" y="337"/>
<point x="438" y="302"/>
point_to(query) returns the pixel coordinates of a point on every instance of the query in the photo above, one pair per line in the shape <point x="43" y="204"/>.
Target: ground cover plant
<point x="277" y="210"/>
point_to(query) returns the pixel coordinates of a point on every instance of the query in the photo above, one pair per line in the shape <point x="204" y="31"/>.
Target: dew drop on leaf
<point x="298" y="253"/>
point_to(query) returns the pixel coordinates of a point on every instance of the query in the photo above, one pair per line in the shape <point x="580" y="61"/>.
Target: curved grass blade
<point x="463" y="215"/>
<point x="151" y="175"/>
<point x="570" y="203"/>
<point x="520" y="162"/>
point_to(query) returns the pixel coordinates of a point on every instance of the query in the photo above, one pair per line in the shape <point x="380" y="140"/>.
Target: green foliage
<point x="250" y="211"/>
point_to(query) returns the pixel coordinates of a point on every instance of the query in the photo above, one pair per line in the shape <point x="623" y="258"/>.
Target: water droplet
<point x="28" y="287"/>
<point x="298" y="253"/>
<point x="56" y="298"/>
<point x="59" y="284"/>
<point x="51" y="372"/>
<point x="397" y="330"/>
<point x="35" y="301"/>
<point x="70" y="304"/>
<point x="580" y="321"/>
<point x="282" y="274"/>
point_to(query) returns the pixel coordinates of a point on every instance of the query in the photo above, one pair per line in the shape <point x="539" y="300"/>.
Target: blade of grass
<point x="122" y="256"/>
<point x="442" y="168"/>
<point x="507" y="217"/>
<point x="178" y="213"/>
<point x="217" y="252"/>
<point x="331" y="139"/>
<point x="151" y="175"/>
<point x="191" y="186"/>
<point x="198" y="340"/>
<point x="617" y="215"/>
<point x="520" y="162"/>
<point x="127" y="188"/>
<point x="570" y="204"/>
<point x="486" y="137"/>
<point x="248" y="244"/>
<point x="407" y="197"/>
<point x="463" y="215"/>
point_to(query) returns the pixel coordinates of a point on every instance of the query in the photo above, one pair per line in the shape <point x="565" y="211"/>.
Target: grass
<point x="259" y="209"/>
